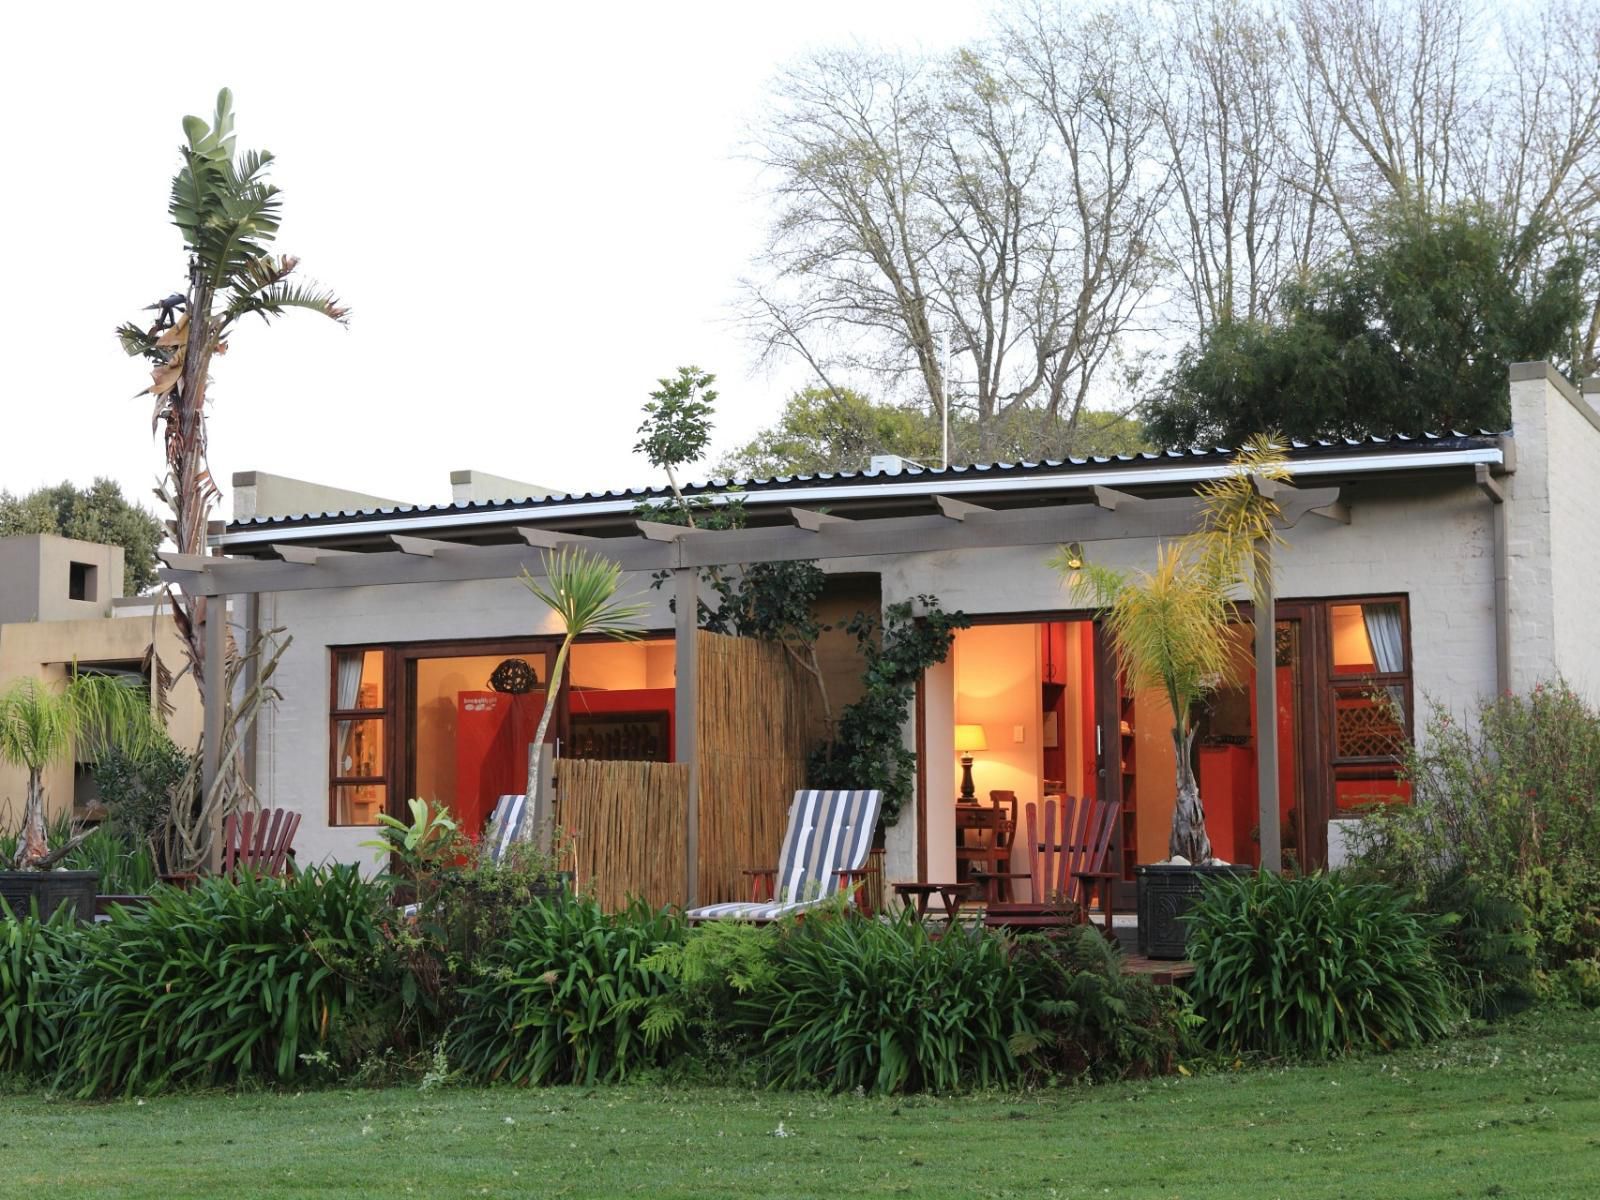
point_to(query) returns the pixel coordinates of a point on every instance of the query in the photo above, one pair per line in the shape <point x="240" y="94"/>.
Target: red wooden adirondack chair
<point x="258" y="842"/>
<point x="1068" y="866"/>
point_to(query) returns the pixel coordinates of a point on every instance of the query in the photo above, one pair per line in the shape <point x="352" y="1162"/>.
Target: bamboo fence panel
<point x="759" y="714"/>
<point x="628" y="826"/>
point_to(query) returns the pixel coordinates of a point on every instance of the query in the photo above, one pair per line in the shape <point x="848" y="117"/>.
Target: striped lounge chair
<point x="824" y="851"/>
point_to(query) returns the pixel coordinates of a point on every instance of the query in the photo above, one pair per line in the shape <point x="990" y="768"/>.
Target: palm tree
<point x="1171" y="627"/>
<point x="229" y="217"/>
<point x="581" y="589"/>
<point x="39" y="726"/>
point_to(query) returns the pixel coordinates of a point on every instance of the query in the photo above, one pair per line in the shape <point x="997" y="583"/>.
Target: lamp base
<point x="968" y="790"/>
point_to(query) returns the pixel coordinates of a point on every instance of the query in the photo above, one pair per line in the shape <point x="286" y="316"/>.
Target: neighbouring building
<point x="1422" y="569"/>
<point x="62" y="608"/>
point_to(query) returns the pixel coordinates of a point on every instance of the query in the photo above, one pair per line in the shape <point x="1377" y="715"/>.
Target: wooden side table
<point x="950" y="893"/>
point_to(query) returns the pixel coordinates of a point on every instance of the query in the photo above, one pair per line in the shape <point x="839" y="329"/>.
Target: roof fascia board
<point x="989" y="483"/>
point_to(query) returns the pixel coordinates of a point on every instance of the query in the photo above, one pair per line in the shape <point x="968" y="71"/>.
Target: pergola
<point x="1101" y="515"/>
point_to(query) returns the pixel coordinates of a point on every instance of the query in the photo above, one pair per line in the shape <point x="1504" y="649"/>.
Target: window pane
<point x="358" y="748"/>
<point x="1368" y="638"/>
<point x="357" y="679"/>
<point x="1368" y="724"/>
<point x="358" y="804"/>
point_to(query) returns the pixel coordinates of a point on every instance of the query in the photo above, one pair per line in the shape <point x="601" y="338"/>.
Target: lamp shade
<point x="970" y="738"/>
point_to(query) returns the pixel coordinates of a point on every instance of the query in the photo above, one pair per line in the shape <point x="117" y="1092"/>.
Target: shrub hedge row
<point x="267" y="982"/>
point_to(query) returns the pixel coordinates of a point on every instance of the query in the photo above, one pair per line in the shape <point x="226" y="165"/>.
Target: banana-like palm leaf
<point x="275" y="299"/>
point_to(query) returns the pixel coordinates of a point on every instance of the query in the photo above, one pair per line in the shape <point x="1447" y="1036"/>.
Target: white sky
<point x="532" y="211"/>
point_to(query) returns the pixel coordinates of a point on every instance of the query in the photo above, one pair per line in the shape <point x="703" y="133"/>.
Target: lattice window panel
<point x="1366" y="731"/>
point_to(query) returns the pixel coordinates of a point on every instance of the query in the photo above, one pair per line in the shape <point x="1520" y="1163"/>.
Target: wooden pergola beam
<point x="423" y="547"/>
<point x="552" y="539"/>
<point x="665" y="547"/>
<point x="306" y="555"/>
<point x="959" y="510"/>
<point x="812" y="521"/>
<point x="1111" y="499"/>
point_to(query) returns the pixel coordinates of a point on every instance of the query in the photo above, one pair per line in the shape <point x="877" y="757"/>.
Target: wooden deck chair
<point x="824" y="851"/>
<point x="258" y="841"/>
<point x="1068" y="865"/>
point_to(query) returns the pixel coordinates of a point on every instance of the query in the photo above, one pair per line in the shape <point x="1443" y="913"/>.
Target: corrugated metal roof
<point x="1064" y="469"/>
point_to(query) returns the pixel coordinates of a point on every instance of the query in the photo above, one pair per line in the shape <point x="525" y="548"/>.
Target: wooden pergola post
<point x="686" y="592"/>
<point x="216" y="685"/>
<point x="1266" y="655"/>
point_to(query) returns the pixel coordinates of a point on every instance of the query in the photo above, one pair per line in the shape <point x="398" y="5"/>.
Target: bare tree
<point x="1248" y="212"/>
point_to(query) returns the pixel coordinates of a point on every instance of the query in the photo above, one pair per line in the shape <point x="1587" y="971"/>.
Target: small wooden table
<point x="950" y="893"/>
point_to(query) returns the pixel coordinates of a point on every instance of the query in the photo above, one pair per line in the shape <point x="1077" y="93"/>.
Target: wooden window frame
<point x="1336" y="684"/>
<point x="385" y="713"/>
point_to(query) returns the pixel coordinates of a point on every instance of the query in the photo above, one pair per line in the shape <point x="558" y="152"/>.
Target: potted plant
<point x="1171" y="630"/>
<point x="40" y="725"/>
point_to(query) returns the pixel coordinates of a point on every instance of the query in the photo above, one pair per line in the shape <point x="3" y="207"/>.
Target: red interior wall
<point x="640" y="700"/>
<point x="493" y="731"/>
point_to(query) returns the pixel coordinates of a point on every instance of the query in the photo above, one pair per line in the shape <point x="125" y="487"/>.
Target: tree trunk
<point x="32" y="839"/>
<point x="1188" y="815"/>
<point x="527" y="829"/>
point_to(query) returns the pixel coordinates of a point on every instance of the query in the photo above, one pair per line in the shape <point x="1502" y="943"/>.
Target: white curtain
<point x="1388" y="646"/>
<point x="347" y="693"/>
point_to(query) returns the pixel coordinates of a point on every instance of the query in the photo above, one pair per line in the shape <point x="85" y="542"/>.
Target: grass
<point x="1512" y="1114"/>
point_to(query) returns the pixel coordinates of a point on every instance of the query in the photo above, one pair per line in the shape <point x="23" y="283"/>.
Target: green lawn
<point x="1513" y="1114"/>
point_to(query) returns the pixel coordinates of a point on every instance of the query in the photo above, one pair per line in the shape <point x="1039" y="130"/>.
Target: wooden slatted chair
<point x="824" y="852"/>
<point x="258" y="841"/>
<point x="1068" y="866"/>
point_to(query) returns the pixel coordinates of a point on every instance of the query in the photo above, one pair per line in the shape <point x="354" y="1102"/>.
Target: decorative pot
<point x="1166" y="893"/>
<point x="49" y="890"/>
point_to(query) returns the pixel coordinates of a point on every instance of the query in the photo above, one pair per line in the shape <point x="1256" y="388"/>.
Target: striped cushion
<point x="828" y="832"/>
<point x="503" y="826"/>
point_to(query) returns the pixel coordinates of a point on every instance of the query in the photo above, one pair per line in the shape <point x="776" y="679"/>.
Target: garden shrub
<point x="857" y="1003"/>
<point x="34" y="957"/>
<point x="1510" y="798"/>
<point x="1315" y="967"/>
<point x="234" y="980"/>
<point x="564" y="995"/>
<point x="1095" y="1021"/>
<point x="716" y="963"/>
<point x="1487" y="942"/>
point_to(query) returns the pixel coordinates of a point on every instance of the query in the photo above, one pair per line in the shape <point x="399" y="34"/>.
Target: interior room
<point x="473" y="717"/>
<point x="1022" y="728"/>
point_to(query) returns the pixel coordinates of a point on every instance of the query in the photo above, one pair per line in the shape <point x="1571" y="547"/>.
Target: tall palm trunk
<point x="1189" y="837"/>
<point x="552" y="691"/>
<point x="32" y="840"/>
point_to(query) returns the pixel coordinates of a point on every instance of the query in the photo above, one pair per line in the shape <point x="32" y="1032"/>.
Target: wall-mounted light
<point x="1074" y="556"/>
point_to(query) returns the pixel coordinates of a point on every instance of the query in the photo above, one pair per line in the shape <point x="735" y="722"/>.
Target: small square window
<point x="81" y="582"/>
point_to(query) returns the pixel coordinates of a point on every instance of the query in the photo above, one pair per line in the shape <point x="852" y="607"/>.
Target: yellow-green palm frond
<point x="1238" y="522"/>
<point x="40" y="724"/>
<point x="581" y="589"/>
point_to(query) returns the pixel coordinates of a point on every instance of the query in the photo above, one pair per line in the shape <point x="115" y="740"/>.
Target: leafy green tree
<point x="677" y="424"/>
<point x="827" y="430"/>
<point x="97" y="513"/>
<point x="824" y="430"/>
<point x="1413" y="337"/>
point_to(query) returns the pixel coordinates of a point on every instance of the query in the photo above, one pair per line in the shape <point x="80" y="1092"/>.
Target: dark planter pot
<point x="1166" y="894"/>
<point x="50" y="890"/>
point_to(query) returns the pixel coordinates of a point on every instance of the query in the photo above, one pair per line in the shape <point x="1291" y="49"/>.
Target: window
<point x="359" y="719"/>
<point x="81" y="581"/>
<point x="1370" y="682"/>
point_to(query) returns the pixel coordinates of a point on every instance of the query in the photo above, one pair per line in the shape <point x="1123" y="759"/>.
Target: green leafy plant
<point x="1487" y="940"/>
<point x="564" y="996"/>
<point x="35" y="1004"/>
<point x="711" y="967"/>
<point x="1507" y="797"/>
<point x="868" y="747"/>
<point x="1096" y="1021"/>
<point x="1172" y="626"/>
<point x="428" y="841"/>
<point x="139" y="789"/>
<point x="857" y="1003"/>
<point x="1315" y="967"/>
<point x="236" y="979"/>
<point x="40" y="724"/>
<point x="580" y="588"/>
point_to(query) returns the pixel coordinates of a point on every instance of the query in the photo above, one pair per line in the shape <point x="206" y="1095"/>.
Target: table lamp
<point x="969" y="738"/>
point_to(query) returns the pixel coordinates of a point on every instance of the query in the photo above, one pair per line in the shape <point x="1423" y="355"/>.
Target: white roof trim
<point x="986" y="484"/>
